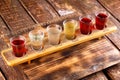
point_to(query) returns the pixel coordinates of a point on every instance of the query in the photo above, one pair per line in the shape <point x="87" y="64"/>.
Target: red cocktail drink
<point x="100" y="20"/>
<point x="18" y="46"/>
<point x="86" y="25"/>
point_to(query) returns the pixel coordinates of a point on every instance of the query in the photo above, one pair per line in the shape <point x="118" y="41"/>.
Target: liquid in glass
<point x="100" y="20"/>
<point x="18" y="46"/>
<point x="86" y="25"/>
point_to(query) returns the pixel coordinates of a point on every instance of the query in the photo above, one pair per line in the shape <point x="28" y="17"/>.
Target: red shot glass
<point x="86" y="25"/>
<point x="101" y="18"/>
<point x="18" y="45"/>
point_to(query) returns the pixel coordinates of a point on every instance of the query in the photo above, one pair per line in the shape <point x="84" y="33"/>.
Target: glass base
<point x="37" y="48"/>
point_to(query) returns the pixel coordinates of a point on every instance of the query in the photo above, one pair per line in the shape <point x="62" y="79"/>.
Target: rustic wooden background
<point x="70" y="64"/>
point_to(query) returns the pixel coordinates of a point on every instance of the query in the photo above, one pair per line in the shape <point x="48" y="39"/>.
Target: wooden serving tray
<point x="11" y="60"/>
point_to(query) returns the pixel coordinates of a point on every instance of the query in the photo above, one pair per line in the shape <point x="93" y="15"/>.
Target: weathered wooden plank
<point x="3" y="31"/>
<point x="40" y="10"/>
<point x="113" y="7"/>
<point x="89" y="7"/>
<point x="15" y="15"/>
<point x="3" y="44"/>
<point x="96" y="76"/>
<point x="12" y="73"/>
<point x="64" y="7"/>
<point x="3" y="28"/>
<point x="1" y="76"/>
<point x="114" y="72"/>
<point x="74" y="63"/>
<point x="8" y="2"/>
<point x="114" y="37"/>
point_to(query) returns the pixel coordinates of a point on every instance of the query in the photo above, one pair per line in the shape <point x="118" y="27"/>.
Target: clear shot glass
<point x="36" y="38"/>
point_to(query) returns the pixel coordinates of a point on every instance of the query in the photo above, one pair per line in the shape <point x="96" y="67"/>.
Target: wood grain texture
<point x="64" y="7"/>
<point x="3" y="28"/>
<point x="3" y="44"/>
<point x="15" y="16"/>
<point x="12" y="73"/>
<point x="114" y="37"/>
<point x="3" y="37"/>
<point x="84" y="7"/>
<point x="74" y="63"/>
<point x="114" y="72"/>
<point x="96" y="76"/>
<point x="40" y="10"/>
<point x="112" y="6"/>
<point x="8" y="2"/>
<point x="1" y="76"/>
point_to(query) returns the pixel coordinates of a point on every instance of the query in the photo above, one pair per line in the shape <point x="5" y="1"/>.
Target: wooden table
<point x="72" y="63"/>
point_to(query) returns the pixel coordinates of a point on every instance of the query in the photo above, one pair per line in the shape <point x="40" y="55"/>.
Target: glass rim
<point x="67" y="20"/>
<point x="70" y="20"/>
<point x="86" y="16"/>
<point x="38" y="31"/>
<point x="54" y="26"/>
<point x="89" y="17"/>
<point x="102" y="11"/>
<point x="19" y="36"/>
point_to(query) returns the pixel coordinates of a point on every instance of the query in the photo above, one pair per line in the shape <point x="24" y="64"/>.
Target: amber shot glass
<point x="70" y="26"/>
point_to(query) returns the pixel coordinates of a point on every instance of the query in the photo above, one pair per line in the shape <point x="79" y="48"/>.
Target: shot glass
<point x="18" y="45"/>
<point x="86" y="24"/>
<point x="101" y="18"/>
<point x="54" y="32"/>
<point x="36" y="38"/>
<point x="70" y="26"/>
